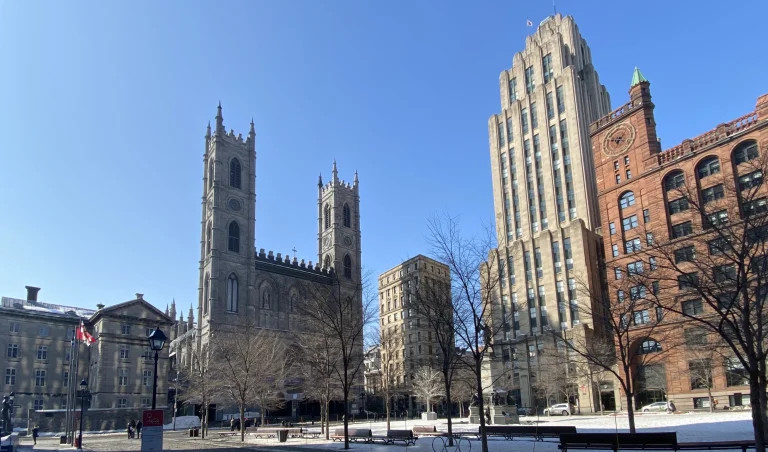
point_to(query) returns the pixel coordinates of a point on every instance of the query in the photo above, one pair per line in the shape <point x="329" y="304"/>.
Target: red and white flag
<point x="82" y="335"/>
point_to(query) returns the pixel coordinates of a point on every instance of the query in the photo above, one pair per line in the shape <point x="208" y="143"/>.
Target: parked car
<point x="659" y="406"/>
<point x="524" y="411"/>
<point x="565" y="409"/>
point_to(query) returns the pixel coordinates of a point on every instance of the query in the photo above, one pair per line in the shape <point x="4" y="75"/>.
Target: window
<point x="327" y="215"/>
<point x="719" y="245"/>
<point x="708" y="167"/>
<point x="233" y="293"/>
<point x="724" y="273"/>
<point x="629" y="174"/>
<point x="718" y="218"/>
<point x="735" y="375"/>
<point x="568" y="253"/>
<point x="510" y="135"/>
<point x="751" y="180"/>
<point x="122" y="377"/>
<point x="685" y="254"/>
<point x="44" y="331"/>
<point x="655" y="287"/>
<point x="635" y="268"/>
<point x="632" y="245"/>
<point x="527" y="265"/>
<point x="234" y="173"/>
<point x="649" y="238"/>
<point x="124" y="351"/>
<point x="13" y="350"/>
<point x="500" y="127"/>
<point x="649" y="346"/>
<point x="745" y="152"/>
<point x="534" y="116"/>
<point x="550" y="106"/>
<point x="208" y="238"/>
<point x="682" y="229"/>
<point x="125" y="329"/>
<point x="641" y="317"/>
<point x="626" y="160"/>
<point x="659" y="314"/>
<point x="556" y="255"/>
<point x="637" y="293"/>
<point x="646" y="216"/>
<point x="652" y="263"/>
<point x="530" y="83"/>
<point x="674" y="181"/>
<point x="560" y="97"/>
<point x="38" y="404"/>
<point x="524" y="119"/>
<point x="688" y="280"/>
<point x="146" y="378"/>
<point x="629" y="223"/>
<point x="612" y="227"/>
<point x="40" y="378"/>
<point x="615" y="249"/>
<point x="615" y="165"/>
<point x="620" y="296"/>
<point x="10" y="376"/>
<point x="513" y="89"/>
<point x="537" y="262"/>
<point x="712" y="193"/>
<point x="347" y="266"/>
<point x="627" y="199"/>
<point x="618" y="273"/>
<point x="756" y="207"/>
<point x="65" y="379"/>
<point x="122" y="403"/>
<point x="693" y="307"/>
<point x="618" y="178"/>
<point x="678" y="205"/>
<point x="14" y="327"/>
<point x="146" y="402"/>
<point x="234" y="237"/>
<point x="42" y="352"/>
<point x="546" y="62"/>
<point x="210" y="174"/>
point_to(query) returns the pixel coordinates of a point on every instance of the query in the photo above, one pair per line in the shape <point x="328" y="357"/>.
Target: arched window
<point x="708" y="167"/>
<point x="210" y="174"/>
<point x="235" y="173"/>
<point x="234" y="237"/>
<point x="232" y="293"/>
<point x="627" y="199"/>
<point x="208" y="239"/>
<point x="649" y="346"/>
<point x="294" y="302"/>
<point x="327" y="215"/>
<point x="347" y="217"/>
<point x="745" y="152"/>
<point x="327" y="261"/>
<point x="266" y="297"/>
<point x="347" y="266"/>
<point x="206" y="285"/>
<point x="674" y="181"/>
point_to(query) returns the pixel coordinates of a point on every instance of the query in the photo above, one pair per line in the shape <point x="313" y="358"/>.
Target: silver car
<point x="560" y="408"/>
<point x="658" y="406"/>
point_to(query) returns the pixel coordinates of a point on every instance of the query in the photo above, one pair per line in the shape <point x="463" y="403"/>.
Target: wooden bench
<point x="643" y="441"/>
<point x="427" y="430"/>
<point x="537" y="432"/>
<point x="271" y="432"/>
<point x="307" y="433"/>
<point x="406" y="436"/>
<point x="355" y="434"/>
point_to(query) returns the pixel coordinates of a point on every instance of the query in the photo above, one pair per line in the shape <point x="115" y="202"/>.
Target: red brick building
<point x="637" y="182"/>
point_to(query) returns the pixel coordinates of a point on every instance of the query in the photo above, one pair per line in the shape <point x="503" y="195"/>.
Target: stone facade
<point x="545" y="204"/>
<point x="628" y="158"/>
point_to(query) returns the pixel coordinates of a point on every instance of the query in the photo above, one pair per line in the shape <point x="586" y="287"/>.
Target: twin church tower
<point x="240" y="283"/>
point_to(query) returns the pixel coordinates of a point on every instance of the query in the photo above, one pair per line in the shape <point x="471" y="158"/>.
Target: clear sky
<point x="103" y="108"/>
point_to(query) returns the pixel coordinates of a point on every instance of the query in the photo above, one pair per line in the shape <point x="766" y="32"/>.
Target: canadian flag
<point x="83" y="335"/>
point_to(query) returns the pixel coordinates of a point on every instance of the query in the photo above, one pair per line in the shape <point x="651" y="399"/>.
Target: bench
<point x="537" y="432"/>
<point x="271" y="432"/>
<point x="643" y="441"/>
<point x="307" y="433"/>
<point x="355" y="434"/>
<point x="228" y="433"/>
<point x="406" y="436"/>
<point x="427" y="430"/>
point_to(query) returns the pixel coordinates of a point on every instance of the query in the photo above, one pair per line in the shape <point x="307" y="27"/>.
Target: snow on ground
<point x="720" y="426"/>
<point x="183" y="423"/>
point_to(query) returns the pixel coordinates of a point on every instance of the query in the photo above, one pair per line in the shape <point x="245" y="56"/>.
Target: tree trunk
<point x="758" y="413"/>
<point x="709" y="395"/>
<point x="481" y="406"/>
<point x="449" y="413"/>
<point x="630" y="412"/>
<point x="386" y="403"/>
<point x="202" y="423"/>
<point x="242" y="423"/>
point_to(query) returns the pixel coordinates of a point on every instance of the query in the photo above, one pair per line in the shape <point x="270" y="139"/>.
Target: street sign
<point x="152" y="430"/>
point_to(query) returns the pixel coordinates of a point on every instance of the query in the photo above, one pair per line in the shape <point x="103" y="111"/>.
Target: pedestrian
<point x="487" y="415"/>
<point x="35" y="433"/>
<point x="232" y="425"/>
<point x="714" y="404"/>
<point x="131" y="429"/>
<point x="138" y="429"/>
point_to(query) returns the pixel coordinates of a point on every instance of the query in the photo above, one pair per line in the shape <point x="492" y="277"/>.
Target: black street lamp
<point x="83" y="389"/>
<point x="156" y="342"/>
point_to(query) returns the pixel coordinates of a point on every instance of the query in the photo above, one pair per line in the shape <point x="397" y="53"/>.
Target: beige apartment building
<point x="407" y="340"/>
<point x="545" y="203"/>
<point x="36" y="344"/>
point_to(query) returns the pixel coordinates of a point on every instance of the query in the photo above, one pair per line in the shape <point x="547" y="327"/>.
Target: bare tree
<point x="250" y="362"/>
<point x="713" y="268"/>
<point x="705" y="351"/>
<point x="200" y="385"/>
<point x="552" y="377"/>
<point x="477" y="309"/>
<point x="428" y="386"/>
<point x="463" y="388"/>
<point x="319" y="359"/>
<point x="389" y="343"/>
<point x="339" y="312"/>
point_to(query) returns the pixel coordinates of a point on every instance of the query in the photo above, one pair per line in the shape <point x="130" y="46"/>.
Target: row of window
<point x="530" y="80"/>
<point x="346" y="214"/>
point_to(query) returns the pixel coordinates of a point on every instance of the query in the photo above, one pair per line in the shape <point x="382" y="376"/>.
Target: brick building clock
<point x="618" y="139"/>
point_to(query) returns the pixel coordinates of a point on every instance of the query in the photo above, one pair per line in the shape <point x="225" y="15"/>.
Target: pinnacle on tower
<point x="253" y="128"/>
<point x="356" y="180"/>
<point x="190" y="317"/>
<point x="637" y="78"/>
<point x="208" y="130"/>
<point x="335" y="172"/>
<point x="166" y="309"/>
<point x="320" y="180"/>
<point x="219" y="121"/>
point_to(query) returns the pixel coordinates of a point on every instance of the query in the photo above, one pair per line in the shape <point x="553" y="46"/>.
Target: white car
<point x="561" y="408"/>
<point x="658" y="406"/>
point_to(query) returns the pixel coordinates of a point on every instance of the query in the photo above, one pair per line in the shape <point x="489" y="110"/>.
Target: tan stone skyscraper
<point x="545" y="201"/>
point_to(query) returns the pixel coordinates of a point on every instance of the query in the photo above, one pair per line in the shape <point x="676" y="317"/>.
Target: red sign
<point x="152" y="418"/>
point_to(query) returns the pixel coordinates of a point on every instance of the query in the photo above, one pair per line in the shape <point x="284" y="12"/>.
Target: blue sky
<point x="104" y="107"/>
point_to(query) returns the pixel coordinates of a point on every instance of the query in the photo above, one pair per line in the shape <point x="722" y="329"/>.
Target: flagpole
<point x="69" y="385"/>
<point x="74" y="388"/>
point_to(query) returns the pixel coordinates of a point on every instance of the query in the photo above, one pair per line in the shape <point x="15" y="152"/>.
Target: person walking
<point x="35" y="433"/>
<point x="232" y="425"/>
<point x="138" y="429"/>
<point x="131" y="429"/>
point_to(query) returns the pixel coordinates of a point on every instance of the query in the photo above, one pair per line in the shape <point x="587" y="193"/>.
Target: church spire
<point x="208" y="131"/>
<point x="320" y="180"/>
<point x="637" y="78"/>
<point x="166" y="309"/>
<point x="190" y="318"/>
<point x="335" y="172"/>
<point x="219" y="121"/>
<point x="172" y="312"/>
<point x="253" y="128"/>
<point x="356" y="180"/>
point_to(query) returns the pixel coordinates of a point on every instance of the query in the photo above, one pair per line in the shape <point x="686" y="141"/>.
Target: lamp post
<point x="83" y="388"/>
<point x="156" y="342"/>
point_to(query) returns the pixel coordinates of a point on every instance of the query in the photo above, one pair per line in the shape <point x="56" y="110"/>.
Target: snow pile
<point x="183" y="422"/>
